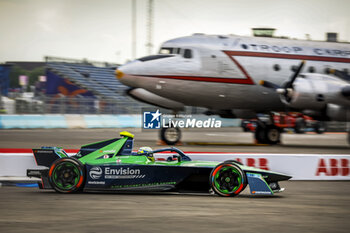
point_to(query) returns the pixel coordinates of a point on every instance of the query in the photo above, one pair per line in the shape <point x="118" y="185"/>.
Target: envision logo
<point x="95" y="172"/>
<point x="123" y="173"/>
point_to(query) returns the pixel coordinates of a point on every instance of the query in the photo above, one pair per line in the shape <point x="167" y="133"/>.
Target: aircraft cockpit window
<point x="188" y="53"/>
<point x="167" y="50"/>
<point x="154" y="57"/>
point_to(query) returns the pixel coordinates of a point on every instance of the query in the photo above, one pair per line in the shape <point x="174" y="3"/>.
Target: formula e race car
<point x="112" y="165"/>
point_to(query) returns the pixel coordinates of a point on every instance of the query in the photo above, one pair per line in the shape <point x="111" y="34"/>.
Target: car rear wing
<point x="47" y="155"/>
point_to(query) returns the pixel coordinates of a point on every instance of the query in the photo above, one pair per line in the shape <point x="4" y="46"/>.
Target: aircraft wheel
<point x="320" y="127"/>
<point x="259" y="135"/>
<point x="227" y="179"/>
<point x="170" y="135"/>
<point x="67" y="175"/>
<point x="300" y="125"/>
<point x="272" y="134"/>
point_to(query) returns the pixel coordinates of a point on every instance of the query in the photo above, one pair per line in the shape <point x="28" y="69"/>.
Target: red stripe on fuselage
<point x="287" y="56"/>
<point x="203" y="79"/>
<point x="248" y="79"/>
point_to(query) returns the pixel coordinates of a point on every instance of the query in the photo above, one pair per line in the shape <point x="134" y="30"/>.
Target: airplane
<point x="240" y="77"/>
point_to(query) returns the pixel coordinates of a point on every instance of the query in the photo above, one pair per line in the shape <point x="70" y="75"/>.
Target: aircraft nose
<point x="123" y="75"/>
<point x="119" y="74"/>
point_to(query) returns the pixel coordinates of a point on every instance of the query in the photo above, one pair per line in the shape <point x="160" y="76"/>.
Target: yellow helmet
<point x="146" y="149"/>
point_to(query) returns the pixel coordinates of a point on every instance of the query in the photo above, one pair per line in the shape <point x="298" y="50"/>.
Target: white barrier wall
<point x="300" y="167"/>
<point x="50" y="121"/>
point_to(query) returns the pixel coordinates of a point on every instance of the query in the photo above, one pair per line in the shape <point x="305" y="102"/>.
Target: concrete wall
<point x="83" y="121"/>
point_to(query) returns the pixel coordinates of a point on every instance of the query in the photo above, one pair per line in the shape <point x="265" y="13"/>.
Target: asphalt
<point x="303" y="207"/>
<point x="217" y="140"/>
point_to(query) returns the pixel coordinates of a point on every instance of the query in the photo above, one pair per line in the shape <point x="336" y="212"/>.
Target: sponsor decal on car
<point x="143" y="185"/>
<point x="261" y="192"/>
<point x="43" y="151"/>
<point x="96" y="182"/>
<point x="95" y="172"/>
<point x="123" y="173"/>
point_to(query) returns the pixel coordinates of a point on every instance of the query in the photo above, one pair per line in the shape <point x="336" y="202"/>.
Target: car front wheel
<point x="227" y="179"/>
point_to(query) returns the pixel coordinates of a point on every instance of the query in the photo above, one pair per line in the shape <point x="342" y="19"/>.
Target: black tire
<point x="67" y="175"/>
<point x="272" y="134"/>
<point x="320" y="127"/>
<point x="349" y="137"/>
<point x="259" y="135"/>
<point x="227" y="179"/>
<point x="245" y="129"/>
<point x="300" y="125"/>
<point x="170" y="135"/>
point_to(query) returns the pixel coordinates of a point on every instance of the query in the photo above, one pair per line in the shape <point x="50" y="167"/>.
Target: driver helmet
<point x="146" y="149"/>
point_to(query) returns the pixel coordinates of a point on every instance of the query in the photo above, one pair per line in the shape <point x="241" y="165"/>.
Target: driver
<point x="146" y="149"/>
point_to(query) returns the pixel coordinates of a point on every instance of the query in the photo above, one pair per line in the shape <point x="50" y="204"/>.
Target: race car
<point x="112" y="165"/>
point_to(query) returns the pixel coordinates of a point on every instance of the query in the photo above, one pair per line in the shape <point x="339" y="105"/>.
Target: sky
<point x="100" y="30"/>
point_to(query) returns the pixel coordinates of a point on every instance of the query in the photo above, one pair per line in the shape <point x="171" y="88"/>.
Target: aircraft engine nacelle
<point x="151" y="98"/>
<point x="314" y="92"/>
<point x="338" y="113"/>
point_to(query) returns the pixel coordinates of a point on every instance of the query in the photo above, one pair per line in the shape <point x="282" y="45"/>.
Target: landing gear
<point x="300" y="125"/>
<point x="267" y="134"/>
<point x="320" y="127"/>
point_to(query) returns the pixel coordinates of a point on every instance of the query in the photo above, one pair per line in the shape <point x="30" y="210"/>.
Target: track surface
<point x="303" y="207"/>
<point x="221" y="140"/>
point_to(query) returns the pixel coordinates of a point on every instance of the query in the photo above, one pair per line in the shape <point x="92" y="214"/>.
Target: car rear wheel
<point x="227" y="179"/>
<point x="67" y="175"/>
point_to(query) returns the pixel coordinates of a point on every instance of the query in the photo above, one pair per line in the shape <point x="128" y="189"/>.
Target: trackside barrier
<point x="15" y="162"/>
<point x="84" y="121"/>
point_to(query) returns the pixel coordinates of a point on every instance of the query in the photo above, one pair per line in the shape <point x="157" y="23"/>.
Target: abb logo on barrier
<point x="333" y="167"/>
<point x="261" y="163"/>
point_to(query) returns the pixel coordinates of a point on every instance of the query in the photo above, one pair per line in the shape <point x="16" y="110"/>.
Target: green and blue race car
<point x="112" y="165"/>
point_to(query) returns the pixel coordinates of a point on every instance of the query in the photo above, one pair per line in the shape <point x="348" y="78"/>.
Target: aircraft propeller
<point x="287" y="88"/>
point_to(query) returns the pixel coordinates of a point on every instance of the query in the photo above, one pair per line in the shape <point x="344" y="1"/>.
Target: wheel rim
<point x="227" y="180"/>
<point x="171" y="134"/>
<point x="273" y="135"/>
<point x="66" y="176"/>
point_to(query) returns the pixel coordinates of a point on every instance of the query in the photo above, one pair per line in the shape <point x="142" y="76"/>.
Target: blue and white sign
<point x="152" y="120"/>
